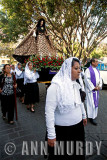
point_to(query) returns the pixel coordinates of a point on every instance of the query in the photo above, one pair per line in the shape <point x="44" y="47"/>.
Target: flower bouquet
<point x="47" y="66"/>
<point x="52" y="62"/>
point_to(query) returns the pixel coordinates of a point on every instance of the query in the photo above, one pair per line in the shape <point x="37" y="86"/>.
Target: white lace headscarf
<point x="27" y="72"/>
<point x="16" y="68"/>
<point x="68" y="94"/>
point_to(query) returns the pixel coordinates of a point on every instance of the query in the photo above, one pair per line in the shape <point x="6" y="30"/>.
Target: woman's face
<point x="30" y="66"/>
<point x="13" y="67"/>
<point x="41" y="23"/>
<point x="7" y="69"/>
<point x="75" y="72"/>
<point x="19" y="66"/>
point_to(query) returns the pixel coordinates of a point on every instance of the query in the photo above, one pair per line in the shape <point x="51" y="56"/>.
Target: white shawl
<point x="18" y="71"/>
<point x="68" y="94"/>
<point x="30" y="75"/>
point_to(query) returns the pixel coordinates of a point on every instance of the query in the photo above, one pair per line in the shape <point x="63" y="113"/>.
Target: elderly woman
<point x="65" y="113"/>
<point x="7" y="86"/>
<point x="31" y="85"/>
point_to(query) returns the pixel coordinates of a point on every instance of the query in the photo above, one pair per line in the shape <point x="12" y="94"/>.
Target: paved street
<point x="99" y="132"/>
<point x="31" y="127"/>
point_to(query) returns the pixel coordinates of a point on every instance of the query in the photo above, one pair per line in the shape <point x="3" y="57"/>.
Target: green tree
<point x="69" y="22"/>
<point x="99" y="52"/>
<point x="7" y="49"/>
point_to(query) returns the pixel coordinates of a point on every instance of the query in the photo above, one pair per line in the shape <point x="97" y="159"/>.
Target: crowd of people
<point x="64" y="109"/>
<point x="25" y="82"/>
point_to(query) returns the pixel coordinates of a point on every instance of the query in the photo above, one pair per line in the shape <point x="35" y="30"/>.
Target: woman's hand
<point x="0" y="90"/>
<point x="15" y="86"/>
<point x="51" y="142"/>
<point x="84" y="122"/>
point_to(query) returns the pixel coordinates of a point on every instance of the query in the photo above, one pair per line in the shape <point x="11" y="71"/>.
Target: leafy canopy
<point x="77" y="27"/>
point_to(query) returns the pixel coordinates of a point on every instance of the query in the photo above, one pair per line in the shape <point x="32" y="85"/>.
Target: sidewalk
<point x="31" y="127"/>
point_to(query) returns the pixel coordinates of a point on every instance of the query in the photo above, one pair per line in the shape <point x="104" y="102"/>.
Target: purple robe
<point x="93" y="80"/>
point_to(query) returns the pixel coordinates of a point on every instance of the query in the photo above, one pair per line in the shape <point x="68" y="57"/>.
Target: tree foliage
<point x="77" y="27"/>
<point x="14" y="19"/>
<point x="7" y="49"/>
<point x="99" y="52"/>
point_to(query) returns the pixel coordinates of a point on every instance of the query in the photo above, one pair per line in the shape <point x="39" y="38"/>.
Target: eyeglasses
<point x="7" y="67"/>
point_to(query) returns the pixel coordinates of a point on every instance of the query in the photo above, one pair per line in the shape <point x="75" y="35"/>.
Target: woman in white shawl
<point x="65" y="113"/>
<point x="32" y="89"/>
<point x="20" y="80"/>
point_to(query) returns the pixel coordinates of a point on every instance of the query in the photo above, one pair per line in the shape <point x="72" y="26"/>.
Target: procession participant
<point x="32" y="89"/>
<point x="93" y="84"/>
<point x="81" y="82"/>
<point x="65" y="113"/>
<point x="20" y="81"/>
<point x="13" y="69"/>
<point x="1" y="76"/>
<point x="82" y="89"/>
<point x="82" y="71"/>
<point x="7" y="94"/>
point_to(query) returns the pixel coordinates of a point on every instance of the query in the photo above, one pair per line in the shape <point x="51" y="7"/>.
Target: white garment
<point x="63" y="102"/>
<point x="81" y="83"/>
<point x="91" y="110"/>
<point x="82" y="74"/>
<point x="12" y="71"/>
<point x="53" y="115"/>
<point x="30" y="76"/>
<point x="19" y="73"/>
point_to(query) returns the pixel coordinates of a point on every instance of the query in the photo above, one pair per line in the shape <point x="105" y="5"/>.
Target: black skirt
<point x="68" y="133"/>
<point x="7" y="106"/>
<point x="31" y="93"/>
<point x="20" y="86"/>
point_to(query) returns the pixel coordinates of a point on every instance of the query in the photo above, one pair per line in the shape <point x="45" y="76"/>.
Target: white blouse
<point x="19" y="74"/>
<point x="12" y="71"/>
<point x="32" y="77"/>
<point x="53" y="115"/>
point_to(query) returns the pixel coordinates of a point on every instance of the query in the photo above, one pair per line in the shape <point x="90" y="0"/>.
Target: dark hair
<point x="38" y="24"/>
<point x="5" y="66"/>
<point x="19" y="64"/>
<point x="75" y="60"/>
<point x="92" y="60"/>
<point x="29" y="63"/>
